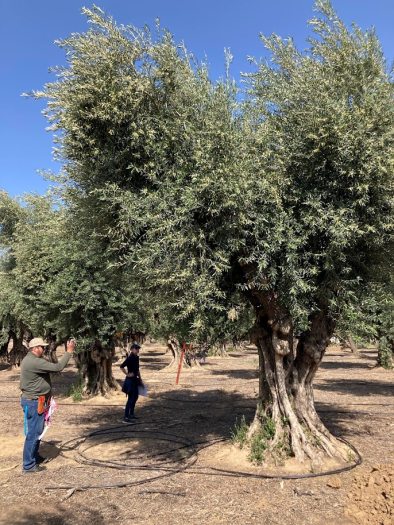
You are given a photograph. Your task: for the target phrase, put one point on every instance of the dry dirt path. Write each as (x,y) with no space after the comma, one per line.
(182,435)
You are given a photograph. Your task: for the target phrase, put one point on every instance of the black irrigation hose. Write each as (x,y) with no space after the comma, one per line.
(167,471)
(358,462)
(163,436)
(193,458)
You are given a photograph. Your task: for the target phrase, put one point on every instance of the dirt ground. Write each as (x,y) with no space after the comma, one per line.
(176,463)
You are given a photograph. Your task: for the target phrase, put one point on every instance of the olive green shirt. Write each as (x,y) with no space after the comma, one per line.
(35,377)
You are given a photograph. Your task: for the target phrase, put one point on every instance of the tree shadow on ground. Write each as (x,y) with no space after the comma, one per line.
(351,423)
(335,365)
(237,374)
(172,422)
(42,516)
(243,353)
(154,364)
(357,388)
(61,382)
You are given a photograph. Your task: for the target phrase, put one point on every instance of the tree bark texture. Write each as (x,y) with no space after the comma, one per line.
(173,347)
(286,377)
(348,342)
(16,347)
(50,351)
(95,367)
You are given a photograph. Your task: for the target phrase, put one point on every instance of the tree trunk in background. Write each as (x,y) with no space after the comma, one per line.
(134,336)
(50,352)
(174,348)
(386,352)
(349,343)
(4,349)
(286,402)
(190,357)
(219,349)
(17,350)
(95,367)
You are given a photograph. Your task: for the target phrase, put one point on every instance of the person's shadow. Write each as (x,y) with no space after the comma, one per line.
(49,449)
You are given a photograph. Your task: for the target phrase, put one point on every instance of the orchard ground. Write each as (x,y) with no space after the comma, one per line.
(176,464)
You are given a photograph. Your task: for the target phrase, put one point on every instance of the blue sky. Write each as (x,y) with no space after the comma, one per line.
(28,30)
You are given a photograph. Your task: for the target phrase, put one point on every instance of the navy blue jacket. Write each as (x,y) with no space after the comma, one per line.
(132,363)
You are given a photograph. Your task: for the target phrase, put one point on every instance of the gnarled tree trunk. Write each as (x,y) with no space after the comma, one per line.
(219,349)
(17,346)
(190,357)
(174,347)
(286,393)
(95,367)
(347,341)
(4,349)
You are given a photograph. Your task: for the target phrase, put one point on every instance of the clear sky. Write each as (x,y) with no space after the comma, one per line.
(28,30)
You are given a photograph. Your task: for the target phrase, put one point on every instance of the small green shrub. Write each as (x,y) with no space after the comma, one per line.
(269,428)
(260,440)
(75,391)
(258,446)
(283,449)
(238,435)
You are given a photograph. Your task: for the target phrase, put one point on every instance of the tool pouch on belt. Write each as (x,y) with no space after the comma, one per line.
(41,405)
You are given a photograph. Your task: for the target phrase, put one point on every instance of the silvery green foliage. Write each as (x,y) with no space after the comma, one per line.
(151,150)
(322,125)
(60,281)
(11,212)
(198,197)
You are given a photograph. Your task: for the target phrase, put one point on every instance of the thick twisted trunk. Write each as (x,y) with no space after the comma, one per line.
(286,400)
(174,348)
(347,341)
(95,367)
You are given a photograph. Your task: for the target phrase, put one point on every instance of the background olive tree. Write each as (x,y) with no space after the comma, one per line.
(58,282)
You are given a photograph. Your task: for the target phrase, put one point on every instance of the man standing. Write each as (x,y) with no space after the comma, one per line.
(35,383)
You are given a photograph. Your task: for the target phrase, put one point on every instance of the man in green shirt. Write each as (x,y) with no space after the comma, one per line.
(35,383)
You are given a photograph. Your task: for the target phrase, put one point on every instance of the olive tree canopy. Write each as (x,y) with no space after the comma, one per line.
(282,203)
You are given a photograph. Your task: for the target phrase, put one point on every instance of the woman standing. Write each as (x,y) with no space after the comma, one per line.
(132,381)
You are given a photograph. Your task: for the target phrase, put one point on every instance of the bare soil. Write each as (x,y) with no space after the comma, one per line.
(176,463)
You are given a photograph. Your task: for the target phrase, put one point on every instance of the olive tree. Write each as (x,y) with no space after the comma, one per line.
(322,132)
(13,328)
(63,286)
(283,200)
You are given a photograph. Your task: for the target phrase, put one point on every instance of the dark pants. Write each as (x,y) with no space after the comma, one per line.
(35,426)
(132,397)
